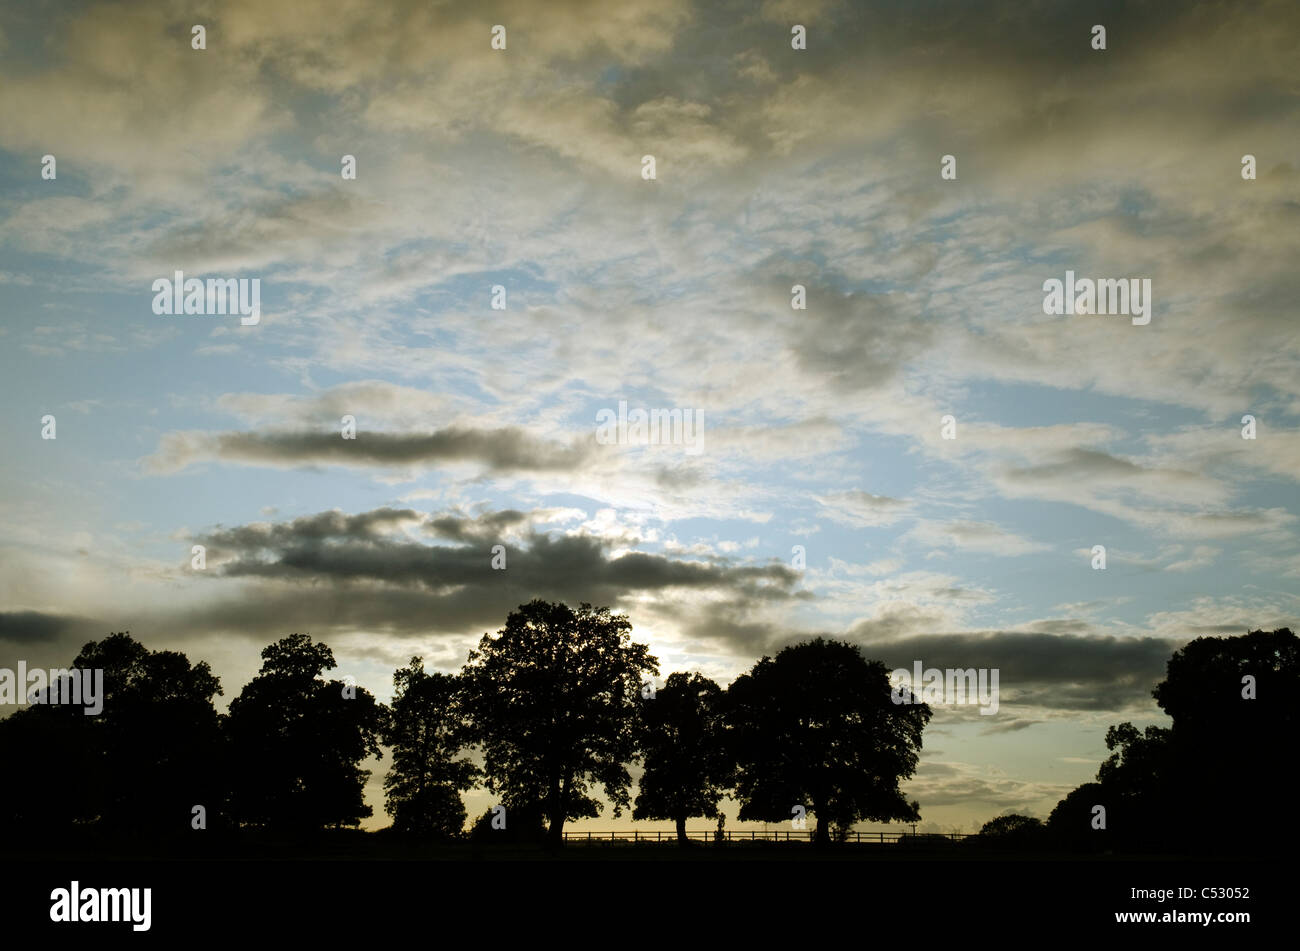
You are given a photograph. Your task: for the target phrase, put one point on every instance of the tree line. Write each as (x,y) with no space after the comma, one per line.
(558,705)
(1219,779)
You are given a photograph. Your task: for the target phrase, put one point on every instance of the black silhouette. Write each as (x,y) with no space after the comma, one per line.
(426,732)
(1070,825)
(552,700)
(1012,832)
(817,727)
(555,705)
(136,768)
(1235,705)
(524,822)
(298,740)
(686,765)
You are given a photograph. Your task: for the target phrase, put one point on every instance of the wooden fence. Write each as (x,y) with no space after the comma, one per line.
(775,835)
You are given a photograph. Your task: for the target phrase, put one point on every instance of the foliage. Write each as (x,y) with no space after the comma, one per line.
(299,739)
(552,700)
(151,754)
(426,733)
(817,727)
(686,765)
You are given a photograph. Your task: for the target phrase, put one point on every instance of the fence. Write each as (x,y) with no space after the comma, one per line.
(782,835)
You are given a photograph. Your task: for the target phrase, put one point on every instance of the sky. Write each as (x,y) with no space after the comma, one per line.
(822,497)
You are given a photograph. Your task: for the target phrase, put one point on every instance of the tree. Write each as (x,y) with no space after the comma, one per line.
(817,727)
(1234,701)
(139,766)
(425,731)
(552,700)
(521,823)
(1137,782)
(1013,831)
(686,767)
(298,741)
(1071,823)
(48,751)
(162,748)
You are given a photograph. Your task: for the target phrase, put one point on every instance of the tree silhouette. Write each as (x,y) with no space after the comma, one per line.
(1137,779)
(1220,739)
(1013,831)
(1070,825)
(686,764)
(48,741)
(151,754)
(298,740)
(1170,788)
(523,822)
(552,700)
(426,731)
(817,727)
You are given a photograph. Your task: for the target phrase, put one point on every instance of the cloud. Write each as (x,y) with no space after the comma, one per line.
(973,536)
(1040,670)
(30,628)
(364,571)
(1015,726)
(501,450)
(980,788)
(863,509)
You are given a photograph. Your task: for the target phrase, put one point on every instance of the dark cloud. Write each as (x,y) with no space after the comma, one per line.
(1077,464)
(500,450)
(1055,671)
(348,572)
(729,626)
(35,627)
(311,528)
(858,341)
(1015,726)
(458,528)
(45,640)
(1062,626)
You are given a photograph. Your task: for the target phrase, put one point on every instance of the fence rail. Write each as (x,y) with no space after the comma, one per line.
(782,835)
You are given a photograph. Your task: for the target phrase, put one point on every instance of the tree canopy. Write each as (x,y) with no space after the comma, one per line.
(151,754)
(687,770)
(816,727)
(299,739)
(552,700)
(1013,831)
(426,732)
(1233,701)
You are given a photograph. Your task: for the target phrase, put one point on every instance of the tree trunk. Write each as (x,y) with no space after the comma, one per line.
(555,814)
(681,830)
(822,837)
